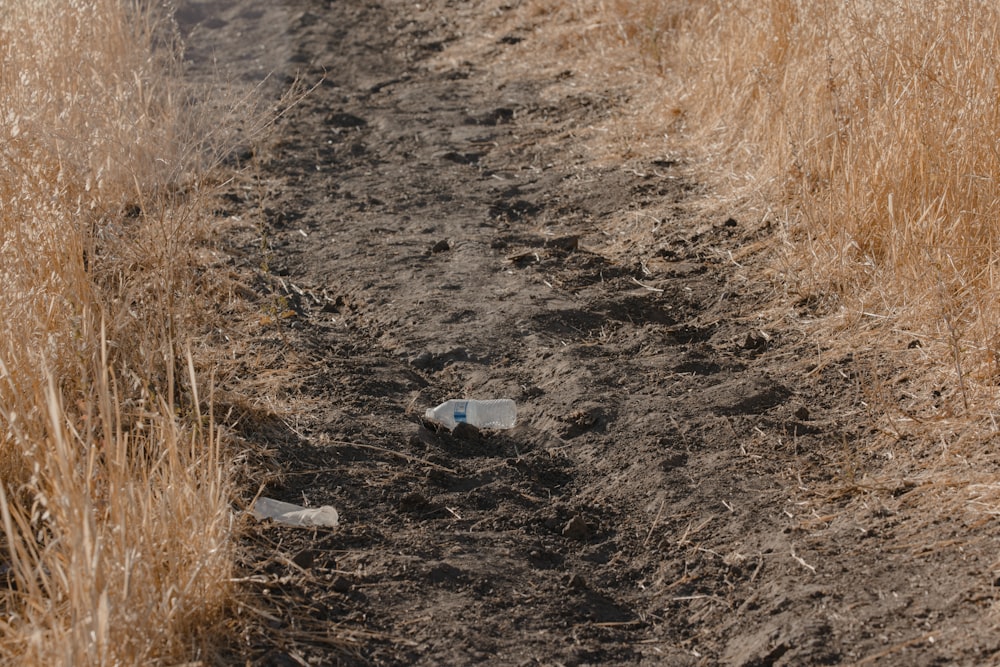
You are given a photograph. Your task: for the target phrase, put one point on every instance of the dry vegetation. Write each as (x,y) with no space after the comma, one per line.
(115,516)
(867,133)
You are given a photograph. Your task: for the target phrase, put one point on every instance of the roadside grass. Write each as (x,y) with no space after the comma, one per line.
(114,498)
(866,134)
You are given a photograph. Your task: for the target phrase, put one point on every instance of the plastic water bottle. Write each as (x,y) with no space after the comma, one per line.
(501,413)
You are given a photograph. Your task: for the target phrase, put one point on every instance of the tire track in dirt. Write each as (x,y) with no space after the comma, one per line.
(429,237)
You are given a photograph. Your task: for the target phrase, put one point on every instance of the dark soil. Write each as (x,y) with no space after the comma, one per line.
(681,488)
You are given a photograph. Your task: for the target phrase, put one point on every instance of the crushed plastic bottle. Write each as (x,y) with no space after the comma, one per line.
(500,413)
(295,515)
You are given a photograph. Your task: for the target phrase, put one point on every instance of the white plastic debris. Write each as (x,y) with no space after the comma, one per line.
(295,515)
(501,413)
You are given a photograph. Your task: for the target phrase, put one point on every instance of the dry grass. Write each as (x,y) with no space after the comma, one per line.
(863,134)
(114,501)
(868,132)
(875,124)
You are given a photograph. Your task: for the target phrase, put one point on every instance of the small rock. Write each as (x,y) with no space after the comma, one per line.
(498,116)
(579,422)
(441,246)
(576,582)
(523,259)
(442,479)
(673,460)
(576,529)
(755,341)
(345,120)
(532,391)
(567,243)
(413,501)
(335,306)
(462,158)
(443,572)
(802,413)
(304,558)
(423,361)
(341,584)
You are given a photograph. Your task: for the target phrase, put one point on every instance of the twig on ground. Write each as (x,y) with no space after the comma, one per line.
(656,520)
(803,563)
(649,287)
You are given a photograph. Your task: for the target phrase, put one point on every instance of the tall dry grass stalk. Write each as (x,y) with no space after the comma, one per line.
(113,499)
(875,124)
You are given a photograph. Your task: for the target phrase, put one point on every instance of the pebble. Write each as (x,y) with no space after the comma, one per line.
(576,529)
(341,584)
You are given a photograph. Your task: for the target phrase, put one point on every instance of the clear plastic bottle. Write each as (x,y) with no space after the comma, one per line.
(500,413)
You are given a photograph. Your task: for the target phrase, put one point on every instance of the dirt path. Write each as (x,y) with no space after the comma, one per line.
(432,232)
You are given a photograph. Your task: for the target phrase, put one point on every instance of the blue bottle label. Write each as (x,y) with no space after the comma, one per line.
(461,408)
